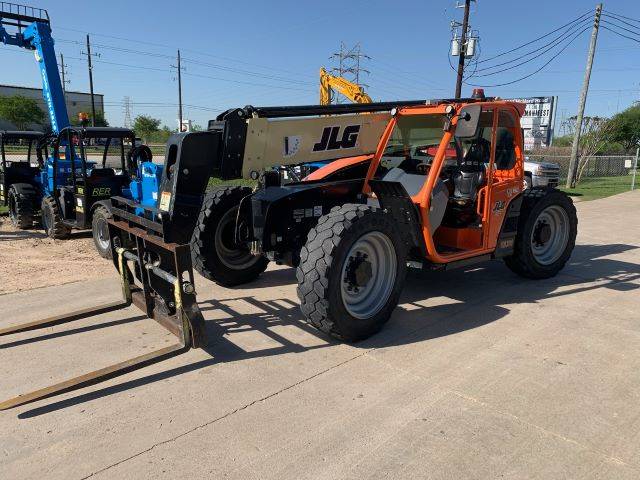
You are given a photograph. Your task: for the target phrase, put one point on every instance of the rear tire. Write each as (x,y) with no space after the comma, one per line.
(546,235)
(215,254)
(100,231)
(22,205)
(52,220)
(351,271)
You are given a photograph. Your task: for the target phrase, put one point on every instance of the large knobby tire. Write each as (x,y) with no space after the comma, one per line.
(352,271)
(214,251)
(100,231)
(52,219)
(21,201)
(546,235)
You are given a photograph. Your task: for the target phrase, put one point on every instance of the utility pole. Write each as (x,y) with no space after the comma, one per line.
(178,66)
(573,163)
(93,103)
(635,169)
(63,72)
(179,93)
(463,42)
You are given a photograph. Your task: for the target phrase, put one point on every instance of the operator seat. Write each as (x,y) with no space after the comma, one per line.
(472,172)
(412,184)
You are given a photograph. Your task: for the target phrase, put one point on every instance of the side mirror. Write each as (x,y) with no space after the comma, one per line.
(468,119)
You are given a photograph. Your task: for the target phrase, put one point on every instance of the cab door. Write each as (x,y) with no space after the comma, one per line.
(504,177)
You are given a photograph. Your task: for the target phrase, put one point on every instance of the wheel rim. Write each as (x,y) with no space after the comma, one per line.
(550,235)
(102,237)
(368,275)
(47,220)
(13,214)
(229,253)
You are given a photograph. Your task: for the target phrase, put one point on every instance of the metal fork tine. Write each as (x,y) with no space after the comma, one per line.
(97,376)
(67,317)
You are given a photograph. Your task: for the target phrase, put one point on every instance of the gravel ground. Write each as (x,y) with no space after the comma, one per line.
(29,259)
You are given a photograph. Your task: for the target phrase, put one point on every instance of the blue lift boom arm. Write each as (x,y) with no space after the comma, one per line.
(32,30)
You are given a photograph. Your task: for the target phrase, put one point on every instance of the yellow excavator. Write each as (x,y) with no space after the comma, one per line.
(329,83)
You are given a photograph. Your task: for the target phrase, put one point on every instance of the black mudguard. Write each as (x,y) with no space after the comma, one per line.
(278,219)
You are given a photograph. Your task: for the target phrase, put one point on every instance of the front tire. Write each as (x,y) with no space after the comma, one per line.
(100,231)
(546,235)
(52,220)
(351,271)
(528,181)
(215,253)
(21,201)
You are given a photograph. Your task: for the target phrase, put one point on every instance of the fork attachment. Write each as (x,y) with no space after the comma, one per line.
(157,278)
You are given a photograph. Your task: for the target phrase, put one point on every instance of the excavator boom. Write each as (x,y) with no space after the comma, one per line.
(329,83)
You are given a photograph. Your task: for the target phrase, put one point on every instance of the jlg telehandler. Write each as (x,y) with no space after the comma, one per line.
(443,189)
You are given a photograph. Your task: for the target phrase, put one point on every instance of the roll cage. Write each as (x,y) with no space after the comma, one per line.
(499,187)
(35,144)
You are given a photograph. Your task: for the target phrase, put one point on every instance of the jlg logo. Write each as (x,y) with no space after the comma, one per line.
(329,140)
(101,192)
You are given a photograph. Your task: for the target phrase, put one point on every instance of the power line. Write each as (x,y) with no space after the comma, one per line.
(613,24)
(536,39)
(539,51)
(619,34)
(536,71)
(532,59)
(622,16)
(605,14)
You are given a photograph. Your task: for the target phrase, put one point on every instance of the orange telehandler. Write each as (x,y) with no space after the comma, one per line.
(434,184)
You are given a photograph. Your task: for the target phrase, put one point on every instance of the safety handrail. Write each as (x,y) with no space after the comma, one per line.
(22,13)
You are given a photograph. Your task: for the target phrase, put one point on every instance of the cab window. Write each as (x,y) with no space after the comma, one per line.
(505,141)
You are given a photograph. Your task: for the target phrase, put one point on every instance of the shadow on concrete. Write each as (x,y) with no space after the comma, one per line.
(65,333)
(472,298)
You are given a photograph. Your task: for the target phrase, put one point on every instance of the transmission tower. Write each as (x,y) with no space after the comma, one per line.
(126,107)
(349,65)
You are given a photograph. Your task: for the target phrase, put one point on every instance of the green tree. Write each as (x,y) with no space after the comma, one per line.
(146,126)
(626,128)
(161,136)
(21,111)
(196,128)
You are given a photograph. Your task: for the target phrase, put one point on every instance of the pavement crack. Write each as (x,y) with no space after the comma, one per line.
(226,415)
(542,429)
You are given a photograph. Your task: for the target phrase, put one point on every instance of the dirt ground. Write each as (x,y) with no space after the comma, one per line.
(29,259)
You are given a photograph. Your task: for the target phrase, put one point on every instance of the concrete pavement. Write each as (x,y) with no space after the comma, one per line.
(479,374)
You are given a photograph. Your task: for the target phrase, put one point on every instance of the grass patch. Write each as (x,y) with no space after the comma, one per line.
(3,210)
(600,187)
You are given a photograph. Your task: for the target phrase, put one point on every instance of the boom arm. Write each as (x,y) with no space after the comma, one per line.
(352,91)
(37,36)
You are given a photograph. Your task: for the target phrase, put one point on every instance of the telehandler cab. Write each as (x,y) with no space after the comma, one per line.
(434,185)
(18,187)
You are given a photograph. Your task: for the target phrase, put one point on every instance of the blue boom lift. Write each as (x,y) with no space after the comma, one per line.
(65,189)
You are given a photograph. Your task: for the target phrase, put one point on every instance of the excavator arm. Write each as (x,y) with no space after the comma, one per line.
(352,91)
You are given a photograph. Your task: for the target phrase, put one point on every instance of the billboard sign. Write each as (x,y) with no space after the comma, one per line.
(537,121)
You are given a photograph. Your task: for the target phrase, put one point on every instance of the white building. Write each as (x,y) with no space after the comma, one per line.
(76,102)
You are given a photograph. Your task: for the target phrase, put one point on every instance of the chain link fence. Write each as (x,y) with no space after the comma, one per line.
(599,176)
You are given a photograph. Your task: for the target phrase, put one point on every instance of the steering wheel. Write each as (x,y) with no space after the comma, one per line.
(423,168)
(141,153)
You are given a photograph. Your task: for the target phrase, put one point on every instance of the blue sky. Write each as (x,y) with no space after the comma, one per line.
(269,52)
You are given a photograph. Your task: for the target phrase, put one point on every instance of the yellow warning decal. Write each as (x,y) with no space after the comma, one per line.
(165,200)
